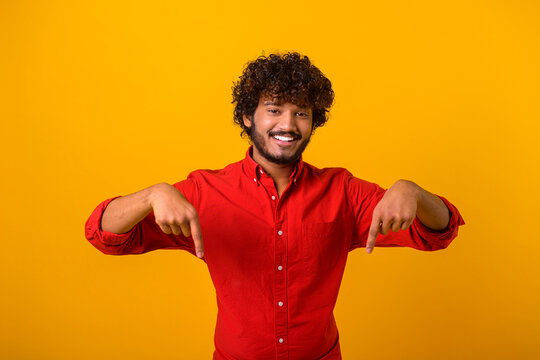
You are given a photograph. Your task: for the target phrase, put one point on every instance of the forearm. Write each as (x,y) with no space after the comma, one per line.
(123,213)
(431,210)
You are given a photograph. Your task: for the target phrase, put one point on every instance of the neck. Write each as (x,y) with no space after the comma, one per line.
(279,172)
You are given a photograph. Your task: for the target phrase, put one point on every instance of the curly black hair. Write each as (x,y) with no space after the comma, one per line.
(289,77)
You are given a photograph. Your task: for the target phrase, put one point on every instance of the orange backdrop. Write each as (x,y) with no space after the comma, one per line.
(104,98)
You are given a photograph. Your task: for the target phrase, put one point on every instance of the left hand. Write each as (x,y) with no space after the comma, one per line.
(396,210)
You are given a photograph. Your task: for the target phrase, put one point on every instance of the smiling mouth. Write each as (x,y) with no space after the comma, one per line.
(284,138)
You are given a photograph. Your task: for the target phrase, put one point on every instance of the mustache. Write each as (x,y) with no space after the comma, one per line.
(293,135)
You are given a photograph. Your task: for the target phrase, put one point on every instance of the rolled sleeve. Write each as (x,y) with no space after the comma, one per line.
(439,239)
(96,235)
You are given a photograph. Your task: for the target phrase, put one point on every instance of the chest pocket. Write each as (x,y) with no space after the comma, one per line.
(324,246)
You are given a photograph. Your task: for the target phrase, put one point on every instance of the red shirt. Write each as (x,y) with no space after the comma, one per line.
(276,263)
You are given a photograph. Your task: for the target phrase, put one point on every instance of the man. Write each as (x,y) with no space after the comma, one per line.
(273,230)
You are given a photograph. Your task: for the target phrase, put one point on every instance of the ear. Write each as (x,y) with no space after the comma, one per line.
(247,121)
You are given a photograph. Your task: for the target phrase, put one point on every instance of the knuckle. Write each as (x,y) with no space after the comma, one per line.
(193,213)
(166,219)
(181,219)
(161,222)
(189,217)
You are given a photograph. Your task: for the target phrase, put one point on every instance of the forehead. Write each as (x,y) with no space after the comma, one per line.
(275,101)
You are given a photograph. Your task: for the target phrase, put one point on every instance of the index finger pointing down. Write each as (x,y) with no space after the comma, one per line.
(197,236)
(374,230)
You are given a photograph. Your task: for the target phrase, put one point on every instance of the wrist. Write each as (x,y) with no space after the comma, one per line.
(413,189)
(154,192)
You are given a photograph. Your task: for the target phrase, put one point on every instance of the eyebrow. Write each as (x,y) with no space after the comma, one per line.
(278,104)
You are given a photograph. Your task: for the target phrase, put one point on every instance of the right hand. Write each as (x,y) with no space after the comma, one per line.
(174,214)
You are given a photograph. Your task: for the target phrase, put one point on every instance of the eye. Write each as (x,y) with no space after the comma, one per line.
(304,114)
(273,111)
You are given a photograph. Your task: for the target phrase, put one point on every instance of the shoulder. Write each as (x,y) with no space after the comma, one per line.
(327,176)
(206,175)
(201,180)
(326,173)
(343,176)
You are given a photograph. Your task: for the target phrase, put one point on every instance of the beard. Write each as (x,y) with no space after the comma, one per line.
(260,143)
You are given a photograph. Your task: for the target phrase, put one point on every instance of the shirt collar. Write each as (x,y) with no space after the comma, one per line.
(254,170)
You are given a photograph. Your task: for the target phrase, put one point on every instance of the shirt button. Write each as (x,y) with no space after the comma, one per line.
(273,197)
(280,303)
(280,340)
(280,232)
(255,179)
(261,171)
(280,267)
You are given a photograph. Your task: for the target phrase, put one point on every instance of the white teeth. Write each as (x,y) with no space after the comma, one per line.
(283,138)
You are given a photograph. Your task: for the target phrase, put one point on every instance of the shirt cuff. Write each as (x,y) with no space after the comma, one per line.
(96,233)
(441,237)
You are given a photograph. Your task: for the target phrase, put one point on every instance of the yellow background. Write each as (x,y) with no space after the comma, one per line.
(105,98)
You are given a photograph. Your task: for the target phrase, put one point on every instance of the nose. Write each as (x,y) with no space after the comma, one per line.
(287,122)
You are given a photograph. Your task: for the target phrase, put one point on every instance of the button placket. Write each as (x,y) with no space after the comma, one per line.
(280,283)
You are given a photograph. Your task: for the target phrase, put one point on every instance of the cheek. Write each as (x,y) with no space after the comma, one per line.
(306,129)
